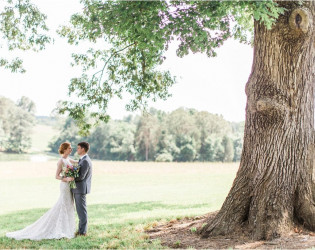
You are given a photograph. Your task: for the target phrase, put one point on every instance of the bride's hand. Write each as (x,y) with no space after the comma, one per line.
(70,179)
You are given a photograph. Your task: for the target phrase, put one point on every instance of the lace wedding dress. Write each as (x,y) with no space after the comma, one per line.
(58,222)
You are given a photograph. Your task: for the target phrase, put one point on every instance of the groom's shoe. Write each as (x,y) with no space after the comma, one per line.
(79,234)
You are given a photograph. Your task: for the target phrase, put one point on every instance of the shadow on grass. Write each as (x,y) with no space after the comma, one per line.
(110,225)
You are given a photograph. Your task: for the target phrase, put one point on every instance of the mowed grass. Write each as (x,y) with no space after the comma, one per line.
(126,199)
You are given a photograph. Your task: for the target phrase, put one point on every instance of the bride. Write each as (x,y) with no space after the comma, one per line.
(59,221)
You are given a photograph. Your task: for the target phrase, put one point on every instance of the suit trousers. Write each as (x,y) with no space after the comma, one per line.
(80,203)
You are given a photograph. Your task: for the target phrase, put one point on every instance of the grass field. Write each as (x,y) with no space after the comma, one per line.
(126,199)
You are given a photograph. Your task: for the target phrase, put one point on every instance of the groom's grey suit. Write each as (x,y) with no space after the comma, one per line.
(83,183)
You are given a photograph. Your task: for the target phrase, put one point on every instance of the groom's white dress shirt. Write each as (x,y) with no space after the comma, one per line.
(82,156)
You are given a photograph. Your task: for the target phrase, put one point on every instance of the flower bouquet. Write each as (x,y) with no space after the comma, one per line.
(72,171)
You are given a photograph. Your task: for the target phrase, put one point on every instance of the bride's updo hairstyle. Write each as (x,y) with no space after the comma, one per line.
(63,147)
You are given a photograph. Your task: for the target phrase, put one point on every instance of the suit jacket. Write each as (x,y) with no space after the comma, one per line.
(83,182)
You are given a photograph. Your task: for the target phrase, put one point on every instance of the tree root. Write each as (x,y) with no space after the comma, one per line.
(233,213)
(305,212)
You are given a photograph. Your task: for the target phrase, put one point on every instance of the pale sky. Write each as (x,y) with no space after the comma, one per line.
(216,85)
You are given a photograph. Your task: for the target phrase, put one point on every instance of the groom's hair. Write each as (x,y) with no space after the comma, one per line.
(84,145)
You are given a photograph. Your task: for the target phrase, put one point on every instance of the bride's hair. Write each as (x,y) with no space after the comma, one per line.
(63,147)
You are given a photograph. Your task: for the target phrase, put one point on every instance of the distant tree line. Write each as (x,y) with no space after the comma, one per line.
(16,123)
(182,135)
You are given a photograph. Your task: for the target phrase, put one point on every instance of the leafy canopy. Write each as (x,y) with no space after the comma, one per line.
(135,35)
(22,27)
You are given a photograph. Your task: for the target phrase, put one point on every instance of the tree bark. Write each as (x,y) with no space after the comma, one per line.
(274,184)
(147,144)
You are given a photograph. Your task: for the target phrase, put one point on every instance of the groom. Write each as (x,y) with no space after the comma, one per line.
(83,183)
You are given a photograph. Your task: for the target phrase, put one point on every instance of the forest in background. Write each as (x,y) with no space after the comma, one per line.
(181,135)
(16,123)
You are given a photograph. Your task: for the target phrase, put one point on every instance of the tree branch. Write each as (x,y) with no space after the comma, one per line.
(116,52)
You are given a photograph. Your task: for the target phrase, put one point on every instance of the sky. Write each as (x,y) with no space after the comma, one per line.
(216,85)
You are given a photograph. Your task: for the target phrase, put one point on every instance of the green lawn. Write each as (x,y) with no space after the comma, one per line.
(126,199)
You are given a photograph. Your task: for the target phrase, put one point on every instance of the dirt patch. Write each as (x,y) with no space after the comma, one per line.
(183,234)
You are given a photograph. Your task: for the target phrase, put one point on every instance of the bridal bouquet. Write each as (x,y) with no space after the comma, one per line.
(72,171)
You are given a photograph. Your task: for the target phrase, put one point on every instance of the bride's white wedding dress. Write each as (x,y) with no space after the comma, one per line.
(58,222)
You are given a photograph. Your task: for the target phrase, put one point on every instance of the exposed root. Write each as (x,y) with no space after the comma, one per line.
(230,217)
(181,234)
(305,212)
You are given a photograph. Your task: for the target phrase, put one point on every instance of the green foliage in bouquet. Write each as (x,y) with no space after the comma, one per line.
(72,171)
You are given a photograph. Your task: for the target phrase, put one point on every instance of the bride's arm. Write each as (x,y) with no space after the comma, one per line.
(73,161)
(59,169)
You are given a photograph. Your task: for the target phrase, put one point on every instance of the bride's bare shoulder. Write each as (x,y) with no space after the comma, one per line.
(73,161)
(59,162)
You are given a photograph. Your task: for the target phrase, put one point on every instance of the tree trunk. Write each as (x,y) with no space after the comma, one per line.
(147,145)
(274,183)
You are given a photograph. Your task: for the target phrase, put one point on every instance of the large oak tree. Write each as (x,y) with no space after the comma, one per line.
(274,184)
